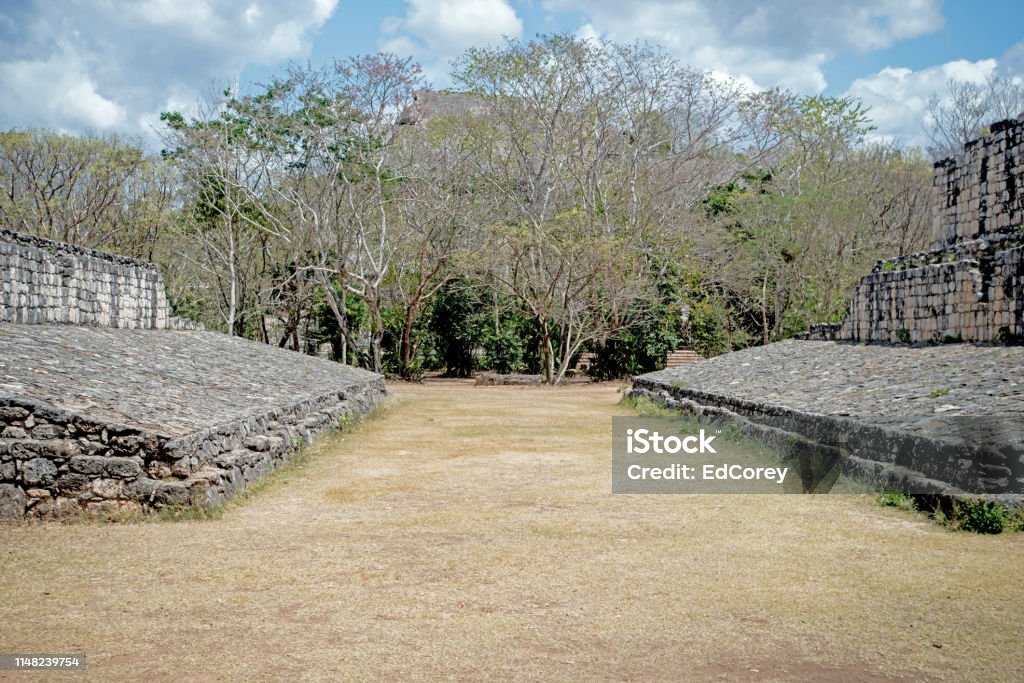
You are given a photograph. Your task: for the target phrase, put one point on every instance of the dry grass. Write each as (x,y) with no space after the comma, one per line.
(469,533)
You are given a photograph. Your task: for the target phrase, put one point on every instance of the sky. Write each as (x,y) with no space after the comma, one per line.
(114,65)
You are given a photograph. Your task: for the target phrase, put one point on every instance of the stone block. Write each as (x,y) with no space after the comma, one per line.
(38,472)
(123,468)
(47,431)
(13,413)
(12,502)
(106,488)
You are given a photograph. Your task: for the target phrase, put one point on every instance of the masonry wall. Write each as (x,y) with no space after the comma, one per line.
(970,285)
(47,282)
(982,191)
(56,463)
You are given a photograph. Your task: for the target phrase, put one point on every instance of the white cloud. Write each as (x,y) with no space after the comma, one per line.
(115,64)
(785,42)
(898,97)
(69,94)
(434,31)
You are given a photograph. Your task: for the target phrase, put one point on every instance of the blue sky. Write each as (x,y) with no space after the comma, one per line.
(113,65)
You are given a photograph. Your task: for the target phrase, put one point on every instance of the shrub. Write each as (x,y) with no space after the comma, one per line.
(980,516)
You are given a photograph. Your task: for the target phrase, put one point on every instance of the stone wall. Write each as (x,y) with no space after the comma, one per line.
(55,462)
(929,419)
(42,281)
(148,415)
(981,191)
(970,285)
(95,419)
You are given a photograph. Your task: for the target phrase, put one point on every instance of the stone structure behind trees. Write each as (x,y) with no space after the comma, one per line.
(970,285)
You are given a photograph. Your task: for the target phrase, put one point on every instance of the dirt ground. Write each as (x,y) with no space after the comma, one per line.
(469,533)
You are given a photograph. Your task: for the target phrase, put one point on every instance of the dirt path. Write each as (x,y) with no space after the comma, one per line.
(469,533)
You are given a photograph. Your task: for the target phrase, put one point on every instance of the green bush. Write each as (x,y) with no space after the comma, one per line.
(456,325)
(981,516)
(505,350)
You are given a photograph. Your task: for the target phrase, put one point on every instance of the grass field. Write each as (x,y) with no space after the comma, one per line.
(469,533)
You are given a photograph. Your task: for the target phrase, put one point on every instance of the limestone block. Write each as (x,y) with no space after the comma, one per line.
(12,502)
(38,472)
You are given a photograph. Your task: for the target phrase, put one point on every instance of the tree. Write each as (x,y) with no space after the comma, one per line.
(961,113)
(95,191)
(224,172)
(594,155)
(791,242)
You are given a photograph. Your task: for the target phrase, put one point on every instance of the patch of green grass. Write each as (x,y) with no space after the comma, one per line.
(936,393)
(646,407)
(895,499)
(975,515)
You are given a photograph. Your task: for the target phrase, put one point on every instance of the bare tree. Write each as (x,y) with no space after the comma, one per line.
(96,191)
(224,173)
(961,113)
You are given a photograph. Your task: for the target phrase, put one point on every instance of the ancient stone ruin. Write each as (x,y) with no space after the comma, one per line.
(939,417)
(52,282)
(970,285)
(109,403)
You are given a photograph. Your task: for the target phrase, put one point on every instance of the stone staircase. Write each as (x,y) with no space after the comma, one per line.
(682,356)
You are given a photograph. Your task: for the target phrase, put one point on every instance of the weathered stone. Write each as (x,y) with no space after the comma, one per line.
(12,502)
(56,277)
(56,507)
(150,411)
(12,414)
(88,464)
(72,483)
(182,467)
(877,403)
(106,488)
(37,493)
(257,443)
(158,470)
(38,472)
(123,468)
(968,287)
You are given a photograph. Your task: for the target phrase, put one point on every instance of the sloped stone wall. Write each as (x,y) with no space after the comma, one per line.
(936,419)
(95,419)
(42,281)
(55,463)
(148,415)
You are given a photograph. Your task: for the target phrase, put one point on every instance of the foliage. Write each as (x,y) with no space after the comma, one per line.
(568,196)
(980,516)
(457,325)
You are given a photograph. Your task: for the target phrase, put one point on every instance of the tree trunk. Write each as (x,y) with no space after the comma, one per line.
(547,355)
(233,296)
(765,331)
(376,337)
(406,350)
